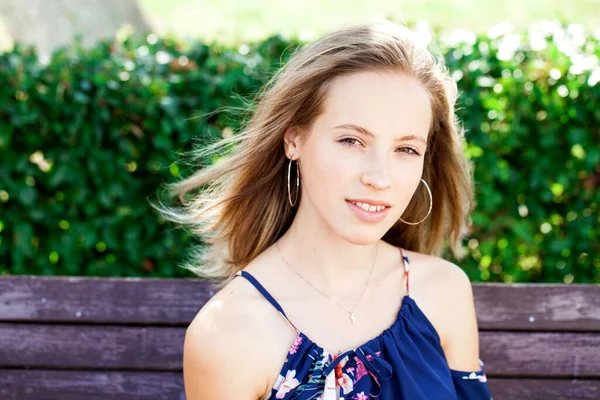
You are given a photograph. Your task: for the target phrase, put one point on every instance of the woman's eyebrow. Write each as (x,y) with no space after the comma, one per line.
(366,132)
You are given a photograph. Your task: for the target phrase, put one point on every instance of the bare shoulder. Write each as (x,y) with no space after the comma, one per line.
(431,267)
(223,343)
(445,294)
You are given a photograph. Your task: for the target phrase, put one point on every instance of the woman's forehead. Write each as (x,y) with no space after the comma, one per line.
(378,101)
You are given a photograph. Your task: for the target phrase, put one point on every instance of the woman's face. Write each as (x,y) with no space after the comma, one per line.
(340,161)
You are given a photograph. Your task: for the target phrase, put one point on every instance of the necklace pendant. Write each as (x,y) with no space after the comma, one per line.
(352,317)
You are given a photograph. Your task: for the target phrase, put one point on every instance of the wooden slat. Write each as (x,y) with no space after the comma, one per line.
(95,385)
(102,300)
(541,354)
(90,385)
(93,347)
(531,307)
(536,307)
(508,354)
(544,389)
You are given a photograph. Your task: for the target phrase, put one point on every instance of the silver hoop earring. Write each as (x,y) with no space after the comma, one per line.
(297,183)
(430,206)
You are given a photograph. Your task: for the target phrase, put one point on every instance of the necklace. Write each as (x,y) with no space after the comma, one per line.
(350,312)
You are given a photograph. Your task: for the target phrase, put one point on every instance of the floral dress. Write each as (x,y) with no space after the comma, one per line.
(405,361)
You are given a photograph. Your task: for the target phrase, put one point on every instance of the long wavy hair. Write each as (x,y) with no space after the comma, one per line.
(239,205)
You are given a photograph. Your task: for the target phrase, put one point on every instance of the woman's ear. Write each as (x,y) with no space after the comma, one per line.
(291,143)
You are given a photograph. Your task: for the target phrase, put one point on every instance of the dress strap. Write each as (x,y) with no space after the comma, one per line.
(406,268)
(266,294)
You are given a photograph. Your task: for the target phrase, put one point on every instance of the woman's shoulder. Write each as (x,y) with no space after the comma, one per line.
(430,274)
(444,292)
(233,330)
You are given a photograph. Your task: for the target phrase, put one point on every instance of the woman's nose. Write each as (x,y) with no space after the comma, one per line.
(378,174)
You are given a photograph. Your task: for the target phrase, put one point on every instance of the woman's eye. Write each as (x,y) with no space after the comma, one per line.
(350,142)
(411,150)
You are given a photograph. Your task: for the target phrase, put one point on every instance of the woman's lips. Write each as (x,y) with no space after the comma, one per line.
(367,216)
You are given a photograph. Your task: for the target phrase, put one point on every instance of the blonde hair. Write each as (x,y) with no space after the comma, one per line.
(243,206)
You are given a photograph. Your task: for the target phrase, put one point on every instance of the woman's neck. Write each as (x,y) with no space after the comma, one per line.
(329,262)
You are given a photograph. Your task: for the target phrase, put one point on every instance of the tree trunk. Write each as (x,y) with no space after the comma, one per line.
(51,23)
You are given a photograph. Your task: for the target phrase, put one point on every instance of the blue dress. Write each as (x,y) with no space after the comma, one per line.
(406,361)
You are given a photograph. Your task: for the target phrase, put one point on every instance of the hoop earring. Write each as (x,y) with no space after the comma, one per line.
(430,206)
(297,182)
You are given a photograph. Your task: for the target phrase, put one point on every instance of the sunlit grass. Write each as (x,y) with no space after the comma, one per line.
(243,20)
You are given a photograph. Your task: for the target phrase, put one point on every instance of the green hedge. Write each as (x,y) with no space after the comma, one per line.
(88,137)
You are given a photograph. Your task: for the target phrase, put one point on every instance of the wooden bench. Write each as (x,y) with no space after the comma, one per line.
(122,338)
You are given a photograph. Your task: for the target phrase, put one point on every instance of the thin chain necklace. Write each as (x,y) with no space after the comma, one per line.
(350,312)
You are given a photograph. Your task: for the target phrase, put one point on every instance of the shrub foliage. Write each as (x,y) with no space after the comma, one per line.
(88,136)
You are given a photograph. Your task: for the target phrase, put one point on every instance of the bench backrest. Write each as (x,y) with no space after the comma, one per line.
(122,338)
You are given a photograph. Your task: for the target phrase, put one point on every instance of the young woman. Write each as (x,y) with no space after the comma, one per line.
(349,175)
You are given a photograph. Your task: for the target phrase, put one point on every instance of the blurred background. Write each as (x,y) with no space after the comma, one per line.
(100,99)
(238,21)
(249,20)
